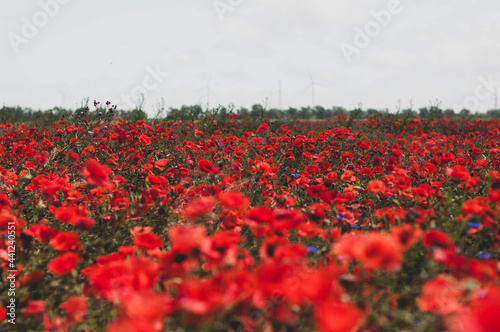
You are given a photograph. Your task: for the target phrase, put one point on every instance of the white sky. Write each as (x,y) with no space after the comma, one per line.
(105,49)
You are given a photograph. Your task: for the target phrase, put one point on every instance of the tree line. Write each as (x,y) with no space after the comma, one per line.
(17,115)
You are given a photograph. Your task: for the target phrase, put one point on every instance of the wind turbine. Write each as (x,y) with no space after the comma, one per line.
(311,86)
(208,91)
(280,95)
(496,89)
(63,98)
(272,94)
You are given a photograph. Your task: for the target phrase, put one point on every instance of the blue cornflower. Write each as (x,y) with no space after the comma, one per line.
(483,255)
(312,249)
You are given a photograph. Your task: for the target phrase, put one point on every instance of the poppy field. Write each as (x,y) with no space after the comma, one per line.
(234,224)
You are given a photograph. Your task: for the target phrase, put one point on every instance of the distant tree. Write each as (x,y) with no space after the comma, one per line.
(320,112)
(409,113)
(257,111)
(173,113)
(274,113)
(196,111)
(449,113)
(371,112)
(464,113)
(305,113)
(243,113)
(291,112)
(424,112)
(337,110)
(190,113)
(493,113)
(137,114)
(356,114)
(435,112)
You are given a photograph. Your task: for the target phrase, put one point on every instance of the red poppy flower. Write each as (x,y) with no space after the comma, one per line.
(186,238)
(336,316)
(233,200)
(155,179)
(33,278)
(376,186)
(76,308)
(477,206)
(78,217)
(130,325)
(144,139)
(148,306)
(447,157)
(4,201)
(379,251)
(64,263)
(43,233)
(65,241)
(348,176)
(207,167)
(147,241)
(198,207)
(457,172)
(260,215)
(67,214)
(407,235)
(437,238)
(373,250)
(331,177)
(424,191)
(484,315)
(161,164)
(316,190)
(115,280)
(35,308)
(3,313)
(284,220)
(441,295)
(97,174)
(263,128)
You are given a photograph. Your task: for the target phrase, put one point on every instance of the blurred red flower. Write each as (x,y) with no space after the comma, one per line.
(336,316)
(441,295)
(76,308)
(437,238)
(43,233)
(207,167)
(35,308)
(64,263)
(155,179)
(348,176)
(373,250)
(65,241)
(376,186)
(263,128)
(147,240)
(233,200)
(198,207)
(145,139)
(3,313)
(97,174)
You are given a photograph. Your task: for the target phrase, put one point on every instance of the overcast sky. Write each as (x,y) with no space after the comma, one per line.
(369,52)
